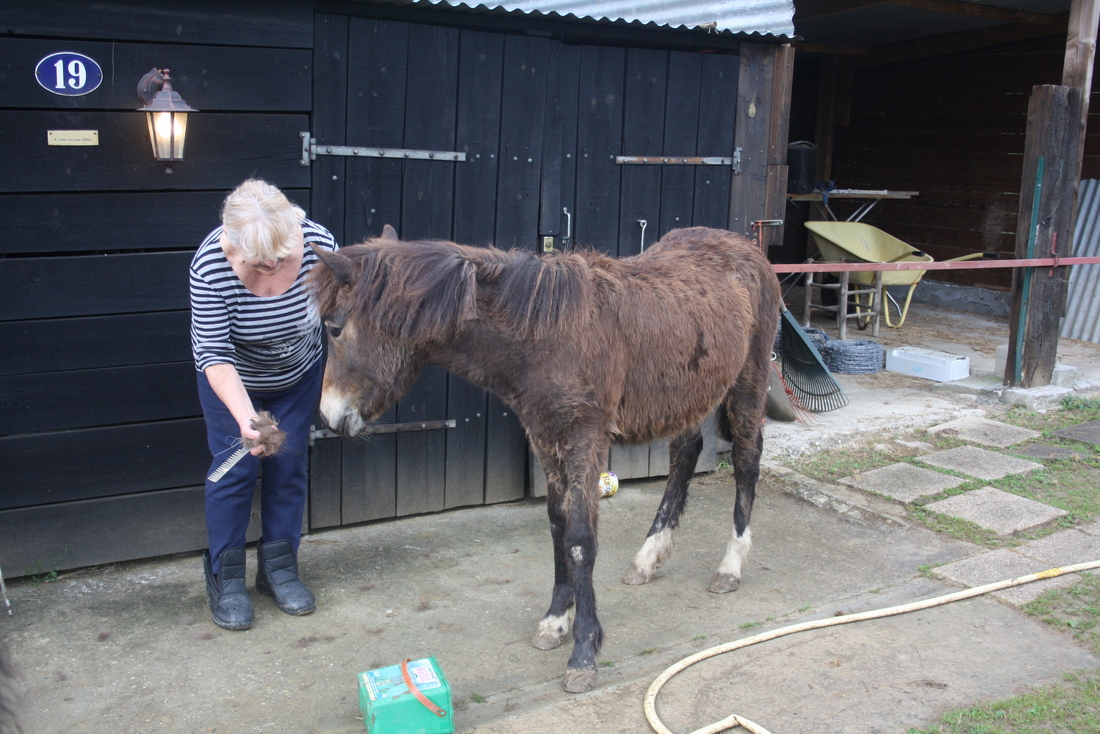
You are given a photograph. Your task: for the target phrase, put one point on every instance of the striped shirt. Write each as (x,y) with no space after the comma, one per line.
(272,341)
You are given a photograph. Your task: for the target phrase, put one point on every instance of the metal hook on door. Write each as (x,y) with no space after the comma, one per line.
(644,223)
(568,238)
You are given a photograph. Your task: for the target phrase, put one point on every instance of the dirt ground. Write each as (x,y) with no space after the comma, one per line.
(130,647)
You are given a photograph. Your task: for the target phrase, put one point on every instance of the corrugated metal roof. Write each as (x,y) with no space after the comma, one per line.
(752,17)
(1082,320)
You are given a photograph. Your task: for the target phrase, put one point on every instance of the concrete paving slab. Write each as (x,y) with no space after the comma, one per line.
(903,481)
(1085,432)
(1047,452)
(1064,548)
(975,462)
(1000,565)
(984,431)
(1092,528)
(1002,512)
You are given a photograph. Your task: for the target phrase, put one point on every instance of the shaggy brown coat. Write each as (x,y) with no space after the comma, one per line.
(588,350)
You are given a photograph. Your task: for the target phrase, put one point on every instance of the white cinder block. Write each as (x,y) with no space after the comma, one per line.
(928,363)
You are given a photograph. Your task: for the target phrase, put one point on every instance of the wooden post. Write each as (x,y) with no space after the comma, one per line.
(775,198)
(759,185)
(1045,227)
(1057,117)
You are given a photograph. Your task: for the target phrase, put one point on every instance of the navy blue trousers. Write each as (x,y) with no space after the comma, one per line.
(284,481)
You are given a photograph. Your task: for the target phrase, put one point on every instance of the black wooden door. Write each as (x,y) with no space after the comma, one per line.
(541,123)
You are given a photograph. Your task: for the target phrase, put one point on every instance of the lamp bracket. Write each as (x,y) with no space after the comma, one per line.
(310,151)
(149,85)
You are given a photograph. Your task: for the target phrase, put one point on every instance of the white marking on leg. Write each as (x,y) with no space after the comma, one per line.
(554,626)
(655,550)
(737,552)
(577,553)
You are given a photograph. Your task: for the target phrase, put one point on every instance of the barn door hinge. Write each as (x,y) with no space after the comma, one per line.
(379,428)
(668,160)
(310,151)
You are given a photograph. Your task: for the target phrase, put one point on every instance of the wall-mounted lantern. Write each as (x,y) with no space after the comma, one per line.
(166,113)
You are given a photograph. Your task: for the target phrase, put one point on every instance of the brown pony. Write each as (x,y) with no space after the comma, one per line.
(588,350)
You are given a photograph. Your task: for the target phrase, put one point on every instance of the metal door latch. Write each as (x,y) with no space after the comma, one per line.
(310,151)
(377,428)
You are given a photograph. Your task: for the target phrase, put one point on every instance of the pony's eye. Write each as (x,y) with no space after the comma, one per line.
(334,330)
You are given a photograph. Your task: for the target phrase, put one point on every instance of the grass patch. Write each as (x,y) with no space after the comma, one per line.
(828,466)
(1075,410)
(958,528)
(1067,484)
(1069,707)
(1075,610)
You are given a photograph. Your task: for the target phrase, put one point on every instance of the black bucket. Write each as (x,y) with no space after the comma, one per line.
(801,167)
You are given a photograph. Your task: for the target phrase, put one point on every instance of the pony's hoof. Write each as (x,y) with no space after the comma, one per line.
(579,680)
(635,576)
(723,583)
(546,641)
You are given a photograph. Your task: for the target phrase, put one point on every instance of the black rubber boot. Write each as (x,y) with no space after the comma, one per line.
(230,606)
(277,576)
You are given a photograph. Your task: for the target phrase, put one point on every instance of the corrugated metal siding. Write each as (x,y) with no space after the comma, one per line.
(753,17)
(1082,320)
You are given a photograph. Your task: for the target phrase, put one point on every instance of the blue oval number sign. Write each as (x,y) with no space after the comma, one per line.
(68,73)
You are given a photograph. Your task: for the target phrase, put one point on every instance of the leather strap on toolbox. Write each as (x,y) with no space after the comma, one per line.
(416,691)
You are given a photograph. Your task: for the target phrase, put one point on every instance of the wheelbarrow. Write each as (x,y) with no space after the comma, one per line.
(858,242)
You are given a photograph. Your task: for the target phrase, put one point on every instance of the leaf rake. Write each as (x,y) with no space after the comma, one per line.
(804,371)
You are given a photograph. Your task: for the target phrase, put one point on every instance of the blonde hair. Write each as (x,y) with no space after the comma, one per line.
(259,221)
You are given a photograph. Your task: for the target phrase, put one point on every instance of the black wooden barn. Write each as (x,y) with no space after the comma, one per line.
(102,449)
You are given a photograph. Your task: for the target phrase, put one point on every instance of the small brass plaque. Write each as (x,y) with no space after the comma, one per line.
(72,137)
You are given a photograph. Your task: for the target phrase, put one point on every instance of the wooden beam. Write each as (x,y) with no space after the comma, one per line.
(1084,15)
(807,9)
(804,10)
(826,48)
(775,200)
(952,43)
(827,95)
(976,11)
(758,185)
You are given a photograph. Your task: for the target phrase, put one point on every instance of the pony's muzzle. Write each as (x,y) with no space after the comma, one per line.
(341,416)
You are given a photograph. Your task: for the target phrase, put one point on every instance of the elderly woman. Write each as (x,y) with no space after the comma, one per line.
(256,339)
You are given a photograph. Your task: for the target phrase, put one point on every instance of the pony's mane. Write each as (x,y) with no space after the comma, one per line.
(420,291)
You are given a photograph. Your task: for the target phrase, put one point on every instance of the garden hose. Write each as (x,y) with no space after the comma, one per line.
(650,703)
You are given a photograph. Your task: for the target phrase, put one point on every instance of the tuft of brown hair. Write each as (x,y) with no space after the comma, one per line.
(271,438)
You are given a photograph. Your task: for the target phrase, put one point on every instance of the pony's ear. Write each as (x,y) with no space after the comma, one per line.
(341,266)
(388,232)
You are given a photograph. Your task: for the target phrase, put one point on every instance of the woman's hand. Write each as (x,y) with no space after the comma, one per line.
(251,434)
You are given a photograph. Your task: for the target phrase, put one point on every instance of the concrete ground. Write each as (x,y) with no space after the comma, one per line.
(130,647)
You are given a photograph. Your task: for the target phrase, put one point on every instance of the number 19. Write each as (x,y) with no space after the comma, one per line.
(76,70)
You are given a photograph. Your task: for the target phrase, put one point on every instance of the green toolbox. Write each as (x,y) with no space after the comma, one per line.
(410,698)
